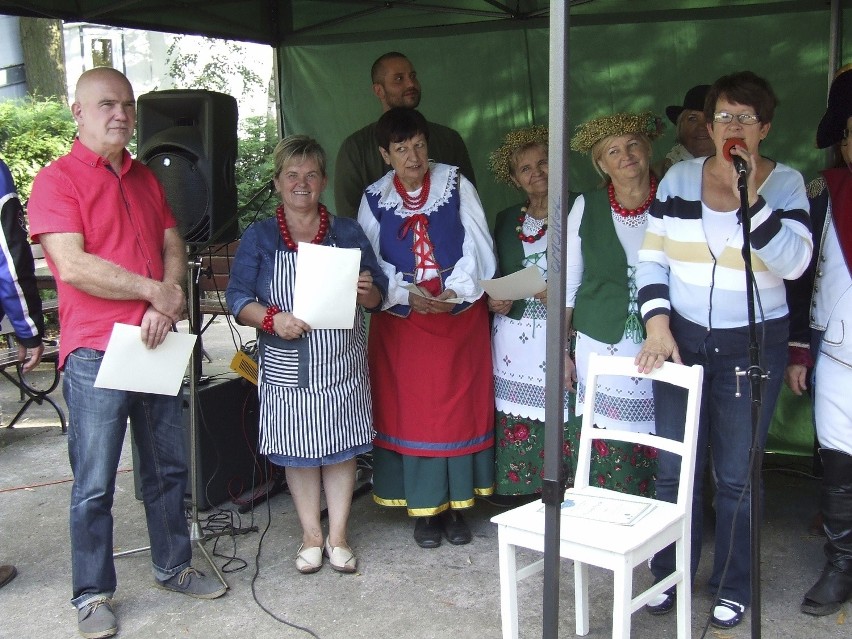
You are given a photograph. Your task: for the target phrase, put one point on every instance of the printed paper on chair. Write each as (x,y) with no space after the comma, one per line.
(607,509)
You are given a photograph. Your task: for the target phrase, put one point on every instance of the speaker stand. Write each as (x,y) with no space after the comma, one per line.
(196,536)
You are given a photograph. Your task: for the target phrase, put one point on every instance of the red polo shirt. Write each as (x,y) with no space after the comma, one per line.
(123,219)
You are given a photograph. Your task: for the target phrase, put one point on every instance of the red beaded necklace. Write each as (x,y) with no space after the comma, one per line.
(520,228)
(413,203)
(285,232)
(623,212)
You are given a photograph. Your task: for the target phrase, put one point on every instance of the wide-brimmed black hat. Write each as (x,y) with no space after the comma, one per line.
(833,123)
(694,100)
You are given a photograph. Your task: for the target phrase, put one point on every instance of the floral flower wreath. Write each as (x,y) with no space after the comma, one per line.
(500,160)
(588,134)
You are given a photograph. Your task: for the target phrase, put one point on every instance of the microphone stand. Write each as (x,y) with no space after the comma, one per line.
(756,376)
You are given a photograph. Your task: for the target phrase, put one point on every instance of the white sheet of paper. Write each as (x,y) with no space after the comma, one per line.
(517,286)
(130,365)
(607,509)
(326,285)
(413,288)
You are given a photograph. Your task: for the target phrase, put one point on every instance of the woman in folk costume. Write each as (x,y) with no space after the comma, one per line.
(605,230)
(429,350)
(518,334)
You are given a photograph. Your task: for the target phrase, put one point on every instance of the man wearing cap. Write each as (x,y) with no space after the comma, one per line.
(359,163)
(693,139)
(820,303)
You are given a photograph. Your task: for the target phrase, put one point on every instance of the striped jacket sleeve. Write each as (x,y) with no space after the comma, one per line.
(18,290)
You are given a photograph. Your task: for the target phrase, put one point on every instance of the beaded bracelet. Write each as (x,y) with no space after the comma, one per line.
(267,325)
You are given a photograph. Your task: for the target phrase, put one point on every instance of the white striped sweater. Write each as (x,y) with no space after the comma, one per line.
(677,270)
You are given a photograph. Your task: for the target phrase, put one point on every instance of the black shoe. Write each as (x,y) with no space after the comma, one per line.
(737,608)
(455,528)
(427,532)
(829,593)
(665,606)
(7,574)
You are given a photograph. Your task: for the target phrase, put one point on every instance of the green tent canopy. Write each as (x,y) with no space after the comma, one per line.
(484,64)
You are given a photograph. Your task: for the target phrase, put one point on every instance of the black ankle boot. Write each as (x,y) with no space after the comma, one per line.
(834,586)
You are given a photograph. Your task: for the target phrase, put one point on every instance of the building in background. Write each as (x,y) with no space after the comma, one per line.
(143,56)
(13,79)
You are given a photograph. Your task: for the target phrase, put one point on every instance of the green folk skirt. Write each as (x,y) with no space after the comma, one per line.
(519,455)
(428,486)
(519,458)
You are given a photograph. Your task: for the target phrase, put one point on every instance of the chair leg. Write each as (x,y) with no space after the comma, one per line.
(508,587)
(622,593)
(581,597)
(684,589)
(38,400)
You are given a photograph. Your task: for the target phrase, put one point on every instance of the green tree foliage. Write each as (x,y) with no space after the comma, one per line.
(254,168)
(214,74)
(33,133)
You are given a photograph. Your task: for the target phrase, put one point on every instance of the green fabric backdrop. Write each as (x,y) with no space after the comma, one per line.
(484,83)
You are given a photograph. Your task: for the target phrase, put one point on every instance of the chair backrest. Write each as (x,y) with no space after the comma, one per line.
(687,377)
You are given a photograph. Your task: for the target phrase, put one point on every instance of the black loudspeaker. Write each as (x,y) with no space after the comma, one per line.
(226,444)
(188,138)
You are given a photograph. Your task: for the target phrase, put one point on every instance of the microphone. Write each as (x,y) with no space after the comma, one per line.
(738,161)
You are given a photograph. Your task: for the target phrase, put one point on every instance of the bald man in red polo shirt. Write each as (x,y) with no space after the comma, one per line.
(112,244)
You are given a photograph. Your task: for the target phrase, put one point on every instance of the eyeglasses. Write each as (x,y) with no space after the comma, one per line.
(723,117)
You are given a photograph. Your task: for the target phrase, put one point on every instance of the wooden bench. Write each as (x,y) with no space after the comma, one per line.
(215,272)
(36,386)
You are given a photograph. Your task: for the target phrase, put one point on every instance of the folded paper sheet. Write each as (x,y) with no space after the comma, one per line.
(417,291)
(130,365)
(517,286)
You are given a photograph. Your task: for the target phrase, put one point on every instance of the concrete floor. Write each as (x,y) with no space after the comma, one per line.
(399,591)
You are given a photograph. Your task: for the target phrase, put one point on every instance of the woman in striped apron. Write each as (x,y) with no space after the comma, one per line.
(315,412)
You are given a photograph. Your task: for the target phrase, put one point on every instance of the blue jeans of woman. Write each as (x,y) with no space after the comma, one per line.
(96,428)
(725,430)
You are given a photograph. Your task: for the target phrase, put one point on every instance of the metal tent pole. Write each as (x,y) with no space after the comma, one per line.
(553,485)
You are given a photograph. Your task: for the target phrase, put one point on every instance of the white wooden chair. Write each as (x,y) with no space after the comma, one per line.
(594,527)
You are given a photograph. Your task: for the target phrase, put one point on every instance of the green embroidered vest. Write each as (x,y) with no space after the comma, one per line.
(603,299)
(510,250)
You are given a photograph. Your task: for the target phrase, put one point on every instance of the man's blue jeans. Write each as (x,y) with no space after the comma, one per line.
(725,425)
(96,428)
